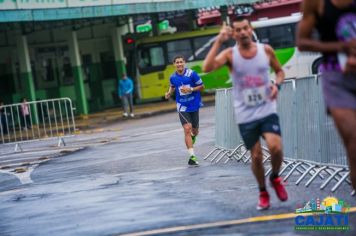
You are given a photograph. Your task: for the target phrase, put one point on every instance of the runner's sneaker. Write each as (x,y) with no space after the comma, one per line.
(279,188)
(194,138)
(193,161)
(125,114)
(263,203)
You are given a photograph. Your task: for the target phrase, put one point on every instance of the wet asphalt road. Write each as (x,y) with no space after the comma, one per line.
(134,177)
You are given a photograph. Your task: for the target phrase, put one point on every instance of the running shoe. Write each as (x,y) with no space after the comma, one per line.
(263,203)
(125,114)
(279,188)
(193,161)
(194,138)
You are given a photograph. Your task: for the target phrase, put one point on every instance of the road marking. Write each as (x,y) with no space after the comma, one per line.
(24,176)
(220,224)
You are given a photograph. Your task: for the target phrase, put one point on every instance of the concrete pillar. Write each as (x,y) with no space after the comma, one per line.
(95,84)
(82,103)
(26,78)
(120,59)
(25,68)
(131,26)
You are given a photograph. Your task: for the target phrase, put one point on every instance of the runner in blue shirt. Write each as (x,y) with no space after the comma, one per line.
(187,84)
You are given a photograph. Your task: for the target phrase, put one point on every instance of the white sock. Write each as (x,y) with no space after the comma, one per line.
(191,151)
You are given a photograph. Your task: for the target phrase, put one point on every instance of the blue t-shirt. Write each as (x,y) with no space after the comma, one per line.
(191,101)
(125,86)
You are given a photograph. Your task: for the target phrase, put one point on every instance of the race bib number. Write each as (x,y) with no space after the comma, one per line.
(254,96)
(182,93)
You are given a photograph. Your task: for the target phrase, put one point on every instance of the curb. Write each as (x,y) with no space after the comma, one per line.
(98,127)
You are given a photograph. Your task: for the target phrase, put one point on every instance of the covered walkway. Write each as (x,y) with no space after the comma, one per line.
(75,49)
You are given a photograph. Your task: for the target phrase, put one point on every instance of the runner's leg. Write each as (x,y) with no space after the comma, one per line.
(186,122)
(187,135)
(271,132)
(257,165)
(274,144)
(259,173)
(345,121)
(195,125)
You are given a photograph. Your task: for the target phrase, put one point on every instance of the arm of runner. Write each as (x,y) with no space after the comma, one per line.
(198,82)
(305,30)
(277,68)
(213,62)
(169,93)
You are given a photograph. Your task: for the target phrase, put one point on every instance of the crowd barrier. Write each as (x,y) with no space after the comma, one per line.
(35,121)
(311,144)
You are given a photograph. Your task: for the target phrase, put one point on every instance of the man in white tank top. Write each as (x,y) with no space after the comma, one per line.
(254,99)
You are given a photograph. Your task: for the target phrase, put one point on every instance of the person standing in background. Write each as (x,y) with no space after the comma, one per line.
(3,121)
(25,111)
(125,91)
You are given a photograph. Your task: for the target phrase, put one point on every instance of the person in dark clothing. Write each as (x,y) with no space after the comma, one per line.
(335,22)
(3,120)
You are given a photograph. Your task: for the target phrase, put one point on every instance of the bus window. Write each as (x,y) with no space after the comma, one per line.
(281,36)
(157,57)
(150,59)
(144,59)
(202,46)
(151,56)
(179,47)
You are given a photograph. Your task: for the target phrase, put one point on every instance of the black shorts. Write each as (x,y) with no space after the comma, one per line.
(189,117)
(252,131)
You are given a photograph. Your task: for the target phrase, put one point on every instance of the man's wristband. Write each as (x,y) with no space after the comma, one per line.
(191,89)
(278,86)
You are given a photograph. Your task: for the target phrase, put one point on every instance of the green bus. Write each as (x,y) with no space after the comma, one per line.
(154,55)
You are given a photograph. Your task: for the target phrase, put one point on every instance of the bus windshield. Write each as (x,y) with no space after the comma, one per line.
(152,57)
(278,36)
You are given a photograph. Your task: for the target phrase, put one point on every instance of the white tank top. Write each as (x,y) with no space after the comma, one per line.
(251,86)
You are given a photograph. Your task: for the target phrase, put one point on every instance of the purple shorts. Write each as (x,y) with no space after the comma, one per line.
(339,89)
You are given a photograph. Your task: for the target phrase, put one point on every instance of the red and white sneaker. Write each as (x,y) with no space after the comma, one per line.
(263,203)
(279,188)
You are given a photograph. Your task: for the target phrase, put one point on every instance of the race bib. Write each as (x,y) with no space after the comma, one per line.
(254,96)
(182,93)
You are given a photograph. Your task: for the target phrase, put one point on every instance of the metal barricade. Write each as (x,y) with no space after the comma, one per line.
(36,120)
(228,142)
(311,144)
(320,149)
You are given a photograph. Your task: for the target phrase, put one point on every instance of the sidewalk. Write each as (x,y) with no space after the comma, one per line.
(101,119)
